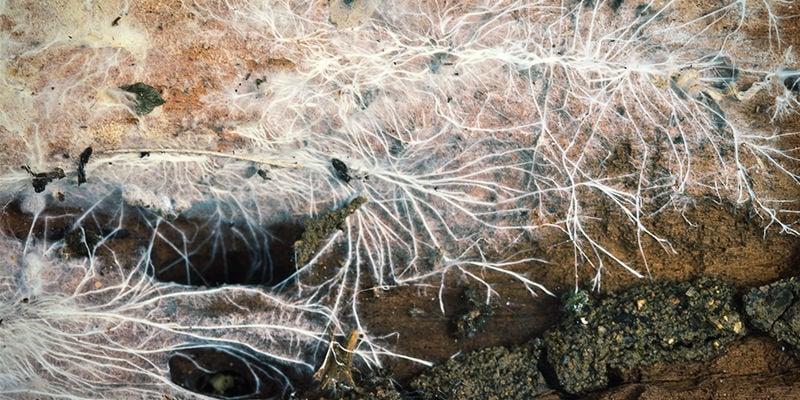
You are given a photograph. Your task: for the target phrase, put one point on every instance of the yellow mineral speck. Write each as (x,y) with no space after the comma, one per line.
(640,303)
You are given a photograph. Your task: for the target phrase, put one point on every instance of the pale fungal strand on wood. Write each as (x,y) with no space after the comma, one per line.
(280,164)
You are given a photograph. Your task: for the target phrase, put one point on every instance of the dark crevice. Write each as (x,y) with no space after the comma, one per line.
(207,250)
(792,82)
(191,252)
(53,224)
(232,373)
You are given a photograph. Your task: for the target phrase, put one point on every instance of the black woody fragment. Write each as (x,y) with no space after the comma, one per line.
(341,170)
(147,98)
(41,179)
(82,160)
(264,174)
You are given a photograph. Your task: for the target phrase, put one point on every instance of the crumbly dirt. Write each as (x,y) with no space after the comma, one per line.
(665,340)
(493,373)
(622,347)
(663,321)
(775,309)
(316,230)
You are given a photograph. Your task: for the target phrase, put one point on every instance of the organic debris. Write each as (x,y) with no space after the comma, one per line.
(317,229)
(341,170)
(84,158)
(147,98)
(41,179)
(264,174)
(470,320)
(336,374)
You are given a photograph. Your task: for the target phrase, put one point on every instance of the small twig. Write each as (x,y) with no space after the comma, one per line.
(280,164)
(337,368)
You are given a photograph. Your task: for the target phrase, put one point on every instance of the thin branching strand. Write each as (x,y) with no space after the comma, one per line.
(469,130)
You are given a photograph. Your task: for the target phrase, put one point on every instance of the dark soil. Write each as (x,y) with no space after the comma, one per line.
(664,340)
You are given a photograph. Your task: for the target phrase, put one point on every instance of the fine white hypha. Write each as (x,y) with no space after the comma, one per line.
(471,130)
(82,339)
